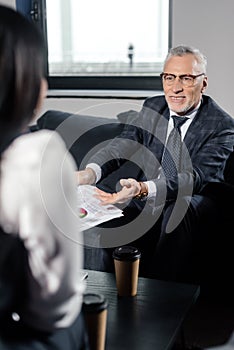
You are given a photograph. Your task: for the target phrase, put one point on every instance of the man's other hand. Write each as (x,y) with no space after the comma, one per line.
(86,177)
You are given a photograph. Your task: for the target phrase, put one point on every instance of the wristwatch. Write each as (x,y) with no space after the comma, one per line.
(143,191)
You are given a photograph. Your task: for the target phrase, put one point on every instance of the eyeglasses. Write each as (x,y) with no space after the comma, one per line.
(186,80)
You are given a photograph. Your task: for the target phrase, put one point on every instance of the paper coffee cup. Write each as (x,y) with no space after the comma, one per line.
(95,315)
(126,262)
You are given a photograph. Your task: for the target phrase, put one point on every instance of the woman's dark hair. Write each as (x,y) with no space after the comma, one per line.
(21,73)
(21,70)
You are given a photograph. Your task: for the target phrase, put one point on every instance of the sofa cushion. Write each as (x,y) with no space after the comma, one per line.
(84,135)
(81,133)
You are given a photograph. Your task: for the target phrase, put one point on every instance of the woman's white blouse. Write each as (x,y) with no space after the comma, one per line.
(38,201)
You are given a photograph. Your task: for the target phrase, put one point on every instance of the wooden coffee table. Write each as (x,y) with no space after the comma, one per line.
(151,319)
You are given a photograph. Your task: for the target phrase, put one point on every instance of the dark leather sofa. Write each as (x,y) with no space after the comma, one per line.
(85,134)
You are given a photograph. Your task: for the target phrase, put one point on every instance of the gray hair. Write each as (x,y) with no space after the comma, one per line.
(183,50)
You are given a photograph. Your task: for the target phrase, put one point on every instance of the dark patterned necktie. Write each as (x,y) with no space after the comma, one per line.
(172,152)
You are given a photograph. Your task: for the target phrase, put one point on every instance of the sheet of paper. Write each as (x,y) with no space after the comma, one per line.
(91,212)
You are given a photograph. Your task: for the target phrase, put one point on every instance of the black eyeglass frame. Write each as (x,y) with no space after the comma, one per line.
(163,75)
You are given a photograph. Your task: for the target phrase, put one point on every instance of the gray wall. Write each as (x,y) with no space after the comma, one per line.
(209,25)
(206,24)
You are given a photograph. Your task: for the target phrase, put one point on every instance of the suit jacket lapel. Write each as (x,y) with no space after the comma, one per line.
(196,127)
(161,132)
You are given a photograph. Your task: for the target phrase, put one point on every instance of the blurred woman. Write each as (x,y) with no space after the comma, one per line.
(37,197)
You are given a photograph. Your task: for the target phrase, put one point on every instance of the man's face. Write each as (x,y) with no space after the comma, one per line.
(182,99)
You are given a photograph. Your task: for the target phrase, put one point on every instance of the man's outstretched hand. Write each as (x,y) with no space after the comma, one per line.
(130,188)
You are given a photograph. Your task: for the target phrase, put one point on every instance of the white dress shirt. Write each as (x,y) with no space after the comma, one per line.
(38,202)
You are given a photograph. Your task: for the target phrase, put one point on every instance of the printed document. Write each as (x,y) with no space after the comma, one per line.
(91,211)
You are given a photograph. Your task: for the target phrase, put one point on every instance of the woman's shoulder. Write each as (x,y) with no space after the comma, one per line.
(30,150)
(31,146)
(38,140)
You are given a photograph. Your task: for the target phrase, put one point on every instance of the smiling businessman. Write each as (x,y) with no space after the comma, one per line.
(182,140)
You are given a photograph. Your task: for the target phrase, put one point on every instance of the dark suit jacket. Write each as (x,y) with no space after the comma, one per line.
(207,145)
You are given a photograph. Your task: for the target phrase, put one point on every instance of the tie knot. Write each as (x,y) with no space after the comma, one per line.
(178,121)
